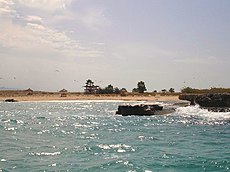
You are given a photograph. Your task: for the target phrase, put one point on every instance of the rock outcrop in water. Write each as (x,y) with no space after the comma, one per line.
(213,102)
(10,100)
(143,110)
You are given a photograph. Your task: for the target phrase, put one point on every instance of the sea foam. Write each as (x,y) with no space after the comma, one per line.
(196,111)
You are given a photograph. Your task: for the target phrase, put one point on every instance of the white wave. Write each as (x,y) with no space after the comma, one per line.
(160,103)
(45,153)
(163,103)
(82,101)
(10,129)
(121,150)
(204,113)
(120,147)
(106,147)
(53,165)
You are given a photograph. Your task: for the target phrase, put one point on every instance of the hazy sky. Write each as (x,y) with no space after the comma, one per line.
(54,44)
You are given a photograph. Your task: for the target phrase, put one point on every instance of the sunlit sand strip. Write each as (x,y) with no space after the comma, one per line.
(90,98)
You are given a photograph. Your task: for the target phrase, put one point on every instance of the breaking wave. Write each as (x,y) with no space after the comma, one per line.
(203,115)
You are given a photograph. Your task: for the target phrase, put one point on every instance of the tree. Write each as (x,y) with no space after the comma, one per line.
(90,88)
(141,87)
(135,90)
(172,90)
(100,91)
(109,89)
(117,90)
(187,90)
(89,82)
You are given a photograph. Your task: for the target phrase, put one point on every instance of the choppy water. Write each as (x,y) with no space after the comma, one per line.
(87,136)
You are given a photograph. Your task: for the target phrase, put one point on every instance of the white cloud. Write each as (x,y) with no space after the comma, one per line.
(198,60)
(140,50)
(34,18)
(36,26)
(6,7)
(49,5)
(40,38)
(27,30)
(94,19)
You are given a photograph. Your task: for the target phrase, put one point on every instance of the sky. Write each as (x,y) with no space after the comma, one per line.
(53,44)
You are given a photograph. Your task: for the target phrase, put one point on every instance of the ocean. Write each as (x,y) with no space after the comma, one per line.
(88,136)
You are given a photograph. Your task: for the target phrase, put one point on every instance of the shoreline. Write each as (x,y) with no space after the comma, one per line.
(71,97)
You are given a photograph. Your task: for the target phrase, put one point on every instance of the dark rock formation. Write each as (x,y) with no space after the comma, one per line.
(212,102)
(143,110)
(189,97)
(10,100)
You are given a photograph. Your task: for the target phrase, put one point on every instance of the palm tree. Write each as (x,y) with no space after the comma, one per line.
(90,88)
(172,90)
(89,82)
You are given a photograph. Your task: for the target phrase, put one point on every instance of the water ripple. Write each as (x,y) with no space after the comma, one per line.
(88,136)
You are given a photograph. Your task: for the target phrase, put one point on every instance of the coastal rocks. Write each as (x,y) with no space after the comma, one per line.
(10,100)
(142,110)
(189,97)
(212,102)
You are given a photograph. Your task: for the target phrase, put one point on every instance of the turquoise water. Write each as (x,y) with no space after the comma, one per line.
(88,136)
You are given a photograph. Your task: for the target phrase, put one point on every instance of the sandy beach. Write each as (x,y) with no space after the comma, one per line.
(41,96)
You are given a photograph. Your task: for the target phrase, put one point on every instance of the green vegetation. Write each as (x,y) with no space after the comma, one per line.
(140,87)
(110,90)
(164,91)
(89,82)
(172,90)
(202,91)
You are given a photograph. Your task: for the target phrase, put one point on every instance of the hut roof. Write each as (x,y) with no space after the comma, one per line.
(29,90)
(63,91)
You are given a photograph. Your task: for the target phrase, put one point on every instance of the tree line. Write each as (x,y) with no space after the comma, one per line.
(190,90)
(110,89)
(141,88)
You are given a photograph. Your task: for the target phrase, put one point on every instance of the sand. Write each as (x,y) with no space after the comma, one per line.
(72,96)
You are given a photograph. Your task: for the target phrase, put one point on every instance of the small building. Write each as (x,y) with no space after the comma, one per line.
(91,89)
(164,91)
(124,92)
(63,93)
(29,91)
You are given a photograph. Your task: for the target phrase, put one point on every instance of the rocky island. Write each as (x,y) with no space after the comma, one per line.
(143,110)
